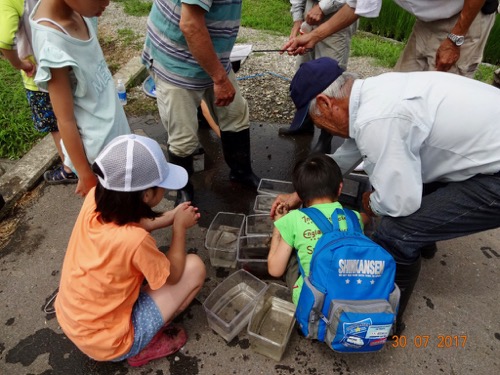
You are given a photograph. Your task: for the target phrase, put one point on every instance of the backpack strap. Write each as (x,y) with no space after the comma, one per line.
(324,224)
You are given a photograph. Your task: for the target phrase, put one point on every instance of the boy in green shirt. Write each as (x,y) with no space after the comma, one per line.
(318,182)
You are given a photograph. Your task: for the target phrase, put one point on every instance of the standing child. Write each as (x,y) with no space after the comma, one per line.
(318,183)
(71,66)
(102,306)
(16,46)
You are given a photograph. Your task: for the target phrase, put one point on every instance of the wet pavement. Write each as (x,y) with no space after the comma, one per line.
(452,319)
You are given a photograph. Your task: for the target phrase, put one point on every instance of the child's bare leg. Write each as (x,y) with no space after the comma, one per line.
(56,136)
(173,299)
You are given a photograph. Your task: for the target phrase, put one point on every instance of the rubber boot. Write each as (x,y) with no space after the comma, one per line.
(428,251)
(324,143)
(406,278)
(236,150)
(186,194)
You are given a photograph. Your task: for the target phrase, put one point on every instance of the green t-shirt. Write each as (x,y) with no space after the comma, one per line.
(299,231)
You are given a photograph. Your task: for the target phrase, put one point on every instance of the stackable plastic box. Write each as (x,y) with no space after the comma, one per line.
(229,306)
(259,225)
(352,193)
(272,321)
(263,203)
(252,254)
(222,238)
(274,187)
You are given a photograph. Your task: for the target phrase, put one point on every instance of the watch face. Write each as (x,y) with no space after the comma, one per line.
(459,41)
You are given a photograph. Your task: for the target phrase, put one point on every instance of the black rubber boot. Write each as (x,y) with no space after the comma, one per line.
(307,127)
(406,278)
(186,194)
(324,143)
(236,149)
(428,251)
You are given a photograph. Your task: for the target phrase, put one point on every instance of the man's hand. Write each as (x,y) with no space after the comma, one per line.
(300,44)
(224,92)
(315,15)
(366,204)
(447,55)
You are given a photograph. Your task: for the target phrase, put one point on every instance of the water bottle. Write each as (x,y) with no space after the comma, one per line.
(122,93)
(305,28)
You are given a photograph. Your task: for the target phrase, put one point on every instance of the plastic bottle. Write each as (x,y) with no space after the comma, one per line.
(122,92)
(305,28)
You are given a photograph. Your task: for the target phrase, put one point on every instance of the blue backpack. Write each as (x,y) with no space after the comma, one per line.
(349,300)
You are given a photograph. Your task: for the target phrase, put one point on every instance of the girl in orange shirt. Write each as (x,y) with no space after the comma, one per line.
(102,305)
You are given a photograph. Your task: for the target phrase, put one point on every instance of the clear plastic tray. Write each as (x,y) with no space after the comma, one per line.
(252,254)
(263,203)
(260,224)
(272,322)
(274,187)
(222,237)
(229,306)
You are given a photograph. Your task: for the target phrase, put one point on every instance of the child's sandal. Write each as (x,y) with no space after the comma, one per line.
(167,341)
(60,176)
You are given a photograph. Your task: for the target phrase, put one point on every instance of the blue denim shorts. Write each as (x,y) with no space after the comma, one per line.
(147,321)
(42,112)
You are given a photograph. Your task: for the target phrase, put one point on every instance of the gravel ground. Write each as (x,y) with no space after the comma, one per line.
(264,78)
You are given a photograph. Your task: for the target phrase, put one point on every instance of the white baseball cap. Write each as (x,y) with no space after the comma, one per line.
(134,163)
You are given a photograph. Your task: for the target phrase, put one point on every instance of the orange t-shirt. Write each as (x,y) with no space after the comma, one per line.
(102,274)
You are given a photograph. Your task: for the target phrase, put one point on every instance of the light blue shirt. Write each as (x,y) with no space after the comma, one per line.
(415,128)
(99,115)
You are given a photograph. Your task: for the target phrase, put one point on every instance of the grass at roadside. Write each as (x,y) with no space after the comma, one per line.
(17,134)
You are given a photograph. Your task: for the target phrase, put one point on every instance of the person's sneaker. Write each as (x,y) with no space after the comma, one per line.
(60,176)
(167,341)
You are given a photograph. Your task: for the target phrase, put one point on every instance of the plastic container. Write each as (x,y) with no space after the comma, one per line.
(222,237)
(305,28)
(122,92)
(263,203)
(230,304)
(252,254)
(260,224)
(271,322)
(352,193)
(275,187)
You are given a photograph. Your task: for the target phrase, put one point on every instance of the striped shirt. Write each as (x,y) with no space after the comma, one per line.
(166,51)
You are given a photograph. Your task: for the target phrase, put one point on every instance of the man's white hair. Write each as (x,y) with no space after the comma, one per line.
(339,89)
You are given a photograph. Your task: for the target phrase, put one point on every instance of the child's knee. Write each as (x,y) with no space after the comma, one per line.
(195,267)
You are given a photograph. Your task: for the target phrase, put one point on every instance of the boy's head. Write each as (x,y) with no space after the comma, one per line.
(135,163)
(315,177)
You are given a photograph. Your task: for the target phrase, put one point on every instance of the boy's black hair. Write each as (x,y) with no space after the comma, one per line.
(316,176)
(121,207)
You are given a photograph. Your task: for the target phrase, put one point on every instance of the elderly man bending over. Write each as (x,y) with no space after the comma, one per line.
(430,143)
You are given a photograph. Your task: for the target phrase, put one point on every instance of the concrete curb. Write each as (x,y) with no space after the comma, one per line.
(28,170)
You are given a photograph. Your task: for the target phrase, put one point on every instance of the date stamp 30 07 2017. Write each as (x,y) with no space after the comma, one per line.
(429,341)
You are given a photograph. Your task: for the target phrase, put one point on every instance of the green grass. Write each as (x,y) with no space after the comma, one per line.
(136,7)
(384,51)
(269,15)
(17,133)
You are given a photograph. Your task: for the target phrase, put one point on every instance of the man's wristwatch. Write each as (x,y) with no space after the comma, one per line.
(458,40)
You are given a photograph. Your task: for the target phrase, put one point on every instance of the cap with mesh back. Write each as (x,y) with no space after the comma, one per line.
(134,163)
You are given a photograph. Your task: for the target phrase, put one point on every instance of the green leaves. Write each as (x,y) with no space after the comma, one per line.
(17,133)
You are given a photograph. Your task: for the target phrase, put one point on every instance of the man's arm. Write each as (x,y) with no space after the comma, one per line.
(193,26)
(448,53)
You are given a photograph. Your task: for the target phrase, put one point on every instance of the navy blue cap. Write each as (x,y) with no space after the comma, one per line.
(310,80)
